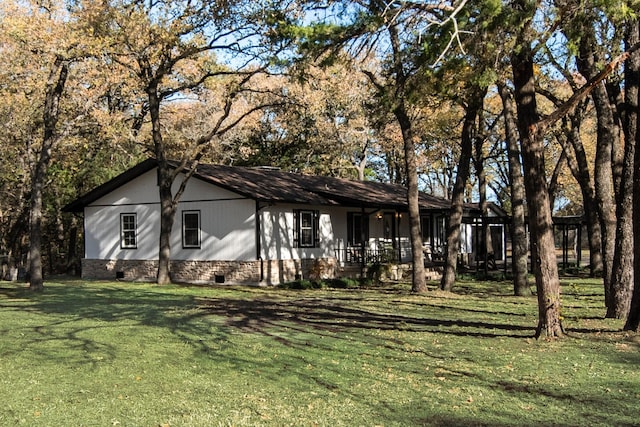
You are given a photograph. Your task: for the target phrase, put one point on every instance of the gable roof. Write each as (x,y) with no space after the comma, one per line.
(270,185)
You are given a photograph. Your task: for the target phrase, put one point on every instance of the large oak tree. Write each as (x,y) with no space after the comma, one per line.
(172,49)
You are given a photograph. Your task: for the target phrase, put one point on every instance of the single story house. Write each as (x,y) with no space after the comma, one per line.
(254,225)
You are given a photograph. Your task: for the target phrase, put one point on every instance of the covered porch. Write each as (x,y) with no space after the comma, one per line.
(381,237)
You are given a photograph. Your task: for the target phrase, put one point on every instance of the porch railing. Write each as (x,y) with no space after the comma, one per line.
(358,256)
(386,255)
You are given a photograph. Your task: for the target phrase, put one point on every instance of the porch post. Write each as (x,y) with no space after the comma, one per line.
(504,246)
(579,244)
(485,233)
(396,226)
(362,242)
(565,246)
(476,254)
(432,234)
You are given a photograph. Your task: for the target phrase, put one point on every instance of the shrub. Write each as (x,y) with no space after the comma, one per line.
(301,284)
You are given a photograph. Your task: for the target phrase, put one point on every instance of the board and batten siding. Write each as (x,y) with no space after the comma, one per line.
(227,222)
(277,226)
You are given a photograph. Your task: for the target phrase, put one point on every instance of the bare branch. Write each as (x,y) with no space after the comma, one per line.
(543,124)
(455,36)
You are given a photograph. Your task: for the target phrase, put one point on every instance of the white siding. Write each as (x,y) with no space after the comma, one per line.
(102,232)
(227,231)
(227,223)
(277,236)
(142,190)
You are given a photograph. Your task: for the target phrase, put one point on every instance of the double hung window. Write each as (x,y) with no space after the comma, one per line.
(128,231)
(191,229)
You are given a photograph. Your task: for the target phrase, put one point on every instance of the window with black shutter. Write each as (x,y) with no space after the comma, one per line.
(306,228)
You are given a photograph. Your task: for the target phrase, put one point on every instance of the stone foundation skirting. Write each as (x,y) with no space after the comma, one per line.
(269,272)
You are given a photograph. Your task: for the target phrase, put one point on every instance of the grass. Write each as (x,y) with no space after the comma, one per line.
(122,354)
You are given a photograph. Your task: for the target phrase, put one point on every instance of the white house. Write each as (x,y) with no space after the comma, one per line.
(252,225)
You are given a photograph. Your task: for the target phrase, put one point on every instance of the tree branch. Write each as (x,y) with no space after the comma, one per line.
(543,124)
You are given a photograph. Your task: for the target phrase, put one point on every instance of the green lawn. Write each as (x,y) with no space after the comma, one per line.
(122,354)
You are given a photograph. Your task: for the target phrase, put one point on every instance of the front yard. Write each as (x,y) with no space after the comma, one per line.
(109,354)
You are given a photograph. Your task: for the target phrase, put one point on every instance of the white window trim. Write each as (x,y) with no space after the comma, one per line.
(298,228)
(123,243)
(184,229)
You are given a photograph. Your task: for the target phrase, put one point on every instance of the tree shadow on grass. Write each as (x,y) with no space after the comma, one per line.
(335,315)
(282,316)
(300,321)
(77,317)
(105,303)
(263,310)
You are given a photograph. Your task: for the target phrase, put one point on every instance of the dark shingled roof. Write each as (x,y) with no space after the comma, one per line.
(270,185)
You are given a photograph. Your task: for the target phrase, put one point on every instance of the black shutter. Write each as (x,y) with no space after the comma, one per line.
(296,228)
(316,228)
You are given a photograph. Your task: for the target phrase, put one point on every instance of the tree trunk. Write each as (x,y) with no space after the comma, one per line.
(622,269)
(72,248)
(605,199)
(552,182)
(419,282)
(519,245)
(607,136)
(165,181)
(540,221)
(633,318)
(457,198)
(54,90)
(36,281)
(581,173)
(167,216)
(622,274)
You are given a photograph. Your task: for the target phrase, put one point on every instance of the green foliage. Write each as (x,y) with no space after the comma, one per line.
(302,284)
(619,10)
(489,11)
(338,283)
(313,38)
(318,35)
(375,271)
